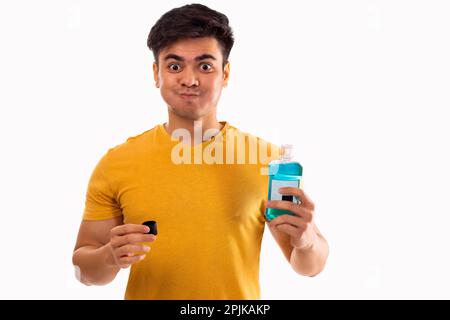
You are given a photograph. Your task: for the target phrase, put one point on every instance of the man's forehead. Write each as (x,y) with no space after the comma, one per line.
(190,49)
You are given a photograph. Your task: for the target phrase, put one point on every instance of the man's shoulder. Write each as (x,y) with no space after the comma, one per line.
(133,143)
(234,131)
(259,150)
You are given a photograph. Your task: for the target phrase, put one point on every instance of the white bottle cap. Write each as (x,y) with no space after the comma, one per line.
(286,152)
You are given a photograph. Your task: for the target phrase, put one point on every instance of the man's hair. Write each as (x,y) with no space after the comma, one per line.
(191,21)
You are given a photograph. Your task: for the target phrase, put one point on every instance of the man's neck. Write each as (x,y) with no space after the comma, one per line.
(194,127)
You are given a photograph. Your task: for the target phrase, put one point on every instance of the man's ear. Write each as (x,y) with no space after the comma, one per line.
(226,74)
(155,74)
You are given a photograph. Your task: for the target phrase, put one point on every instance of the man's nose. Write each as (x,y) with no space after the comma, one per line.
(189,78)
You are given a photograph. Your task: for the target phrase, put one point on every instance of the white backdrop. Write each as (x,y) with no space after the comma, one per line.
(361,88)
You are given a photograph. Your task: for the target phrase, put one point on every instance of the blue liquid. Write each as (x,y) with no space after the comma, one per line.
(282,174)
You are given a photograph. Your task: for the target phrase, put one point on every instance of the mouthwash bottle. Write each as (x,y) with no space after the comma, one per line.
(283,172)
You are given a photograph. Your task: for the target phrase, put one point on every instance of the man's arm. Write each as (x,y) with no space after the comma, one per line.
(297,235)
(104,247)
(308,261)
(92,257)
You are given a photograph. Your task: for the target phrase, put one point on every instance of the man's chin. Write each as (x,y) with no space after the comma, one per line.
(190,114)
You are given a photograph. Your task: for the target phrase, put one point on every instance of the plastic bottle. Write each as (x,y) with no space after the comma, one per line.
(283,172)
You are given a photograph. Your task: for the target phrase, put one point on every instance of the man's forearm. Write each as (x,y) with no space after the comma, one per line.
(310,261)
(94,266)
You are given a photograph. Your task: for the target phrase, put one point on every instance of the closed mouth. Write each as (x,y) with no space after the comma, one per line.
(189,94)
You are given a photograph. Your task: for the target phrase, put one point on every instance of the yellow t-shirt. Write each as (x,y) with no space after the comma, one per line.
(210,217)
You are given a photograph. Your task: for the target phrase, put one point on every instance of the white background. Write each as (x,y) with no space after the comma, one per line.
(361,88)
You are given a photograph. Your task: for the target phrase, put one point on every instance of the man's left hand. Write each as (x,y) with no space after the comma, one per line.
(299,227)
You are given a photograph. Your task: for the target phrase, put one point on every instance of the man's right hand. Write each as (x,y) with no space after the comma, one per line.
(124,244)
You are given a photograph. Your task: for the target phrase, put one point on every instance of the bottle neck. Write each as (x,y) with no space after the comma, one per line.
(285,159)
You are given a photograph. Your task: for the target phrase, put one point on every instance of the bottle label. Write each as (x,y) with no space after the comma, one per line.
(276,184)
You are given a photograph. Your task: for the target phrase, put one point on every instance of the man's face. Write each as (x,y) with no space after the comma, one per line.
(191,76)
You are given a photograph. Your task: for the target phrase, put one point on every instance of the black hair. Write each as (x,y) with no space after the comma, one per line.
(191,21)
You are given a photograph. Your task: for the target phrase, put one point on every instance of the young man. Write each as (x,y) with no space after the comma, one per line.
(209,213)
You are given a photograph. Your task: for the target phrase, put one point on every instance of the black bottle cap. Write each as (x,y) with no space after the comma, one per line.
(152,226)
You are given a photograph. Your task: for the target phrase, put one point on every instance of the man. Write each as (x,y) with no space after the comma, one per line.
(210,213)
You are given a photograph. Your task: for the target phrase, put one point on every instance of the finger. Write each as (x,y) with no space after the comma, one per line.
(296,222)
(299,211)
(128,261)
(134,238)
(131,249)
(285,205)
(300,194)
(282,205)
(129,228)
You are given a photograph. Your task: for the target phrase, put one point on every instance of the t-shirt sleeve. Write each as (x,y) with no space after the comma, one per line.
(101,201)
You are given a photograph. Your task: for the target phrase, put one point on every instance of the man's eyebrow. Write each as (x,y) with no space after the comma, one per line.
(199,58)
(204,57)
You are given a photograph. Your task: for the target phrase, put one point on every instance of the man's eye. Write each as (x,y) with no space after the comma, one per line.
(174,67)
(206,67)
